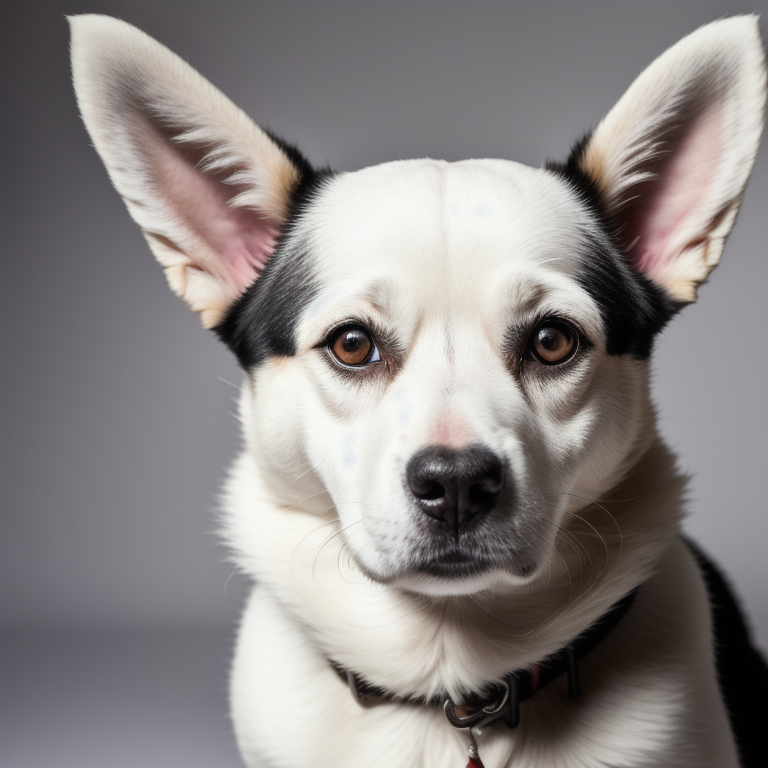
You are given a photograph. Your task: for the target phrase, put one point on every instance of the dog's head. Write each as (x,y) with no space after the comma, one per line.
(450,357)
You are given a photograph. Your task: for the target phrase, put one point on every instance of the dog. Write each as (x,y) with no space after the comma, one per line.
(461,523)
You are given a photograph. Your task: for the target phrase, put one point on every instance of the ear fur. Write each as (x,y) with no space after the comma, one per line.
(208,187)
(671,160)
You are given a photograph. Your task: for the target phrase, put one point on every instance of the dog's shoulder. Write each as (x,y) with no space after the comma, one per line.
(741,670)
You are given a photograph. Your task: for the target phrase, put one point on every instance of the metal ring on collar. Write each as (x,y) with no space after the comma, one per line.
(487,714)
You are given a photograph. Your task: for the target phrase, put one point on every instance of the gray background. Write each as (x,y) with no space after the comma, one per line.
(118,606)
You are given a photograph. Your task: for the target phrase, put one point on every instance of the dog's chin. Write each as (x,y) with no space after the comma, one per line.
(436,586)
(450,579)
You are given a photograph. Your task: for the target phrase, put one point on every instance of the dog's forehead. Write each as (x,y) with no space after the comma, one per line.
(442,216)
(452,233)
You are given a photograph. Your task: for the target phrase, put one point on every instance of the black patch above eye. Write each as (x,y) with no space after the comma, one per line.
(633,309)
(262,323)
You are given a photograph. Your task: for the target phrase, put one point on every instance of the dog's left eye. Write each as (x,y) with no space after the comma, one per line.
(354,346)
(554,342)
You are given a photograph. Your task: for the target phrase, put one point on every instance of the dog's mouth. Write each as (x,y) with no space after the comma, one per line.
(457,570)
(454,565)
(457,573)
(499,543)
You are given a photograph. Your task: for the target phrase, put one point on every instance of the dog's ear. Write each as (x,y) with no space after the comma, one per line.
(208,187)
(670,161)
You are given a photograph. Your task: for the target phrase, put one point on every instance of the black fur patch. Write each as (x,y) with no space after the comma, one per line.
(262,322)
(741,670)
(633,309)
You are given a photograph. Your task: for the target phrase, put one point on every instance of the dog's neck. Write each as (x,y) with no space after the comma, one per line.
(414,645)
(501,701)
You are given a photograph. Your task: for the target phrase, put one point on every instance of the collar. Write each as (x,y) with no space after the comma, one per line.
(502,700)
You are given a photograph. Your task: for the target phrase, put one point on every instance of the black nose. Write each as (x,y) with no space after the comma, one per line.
(455,486)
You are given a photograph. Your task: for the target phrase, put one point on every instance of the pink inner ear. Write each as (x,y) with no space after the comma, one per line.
(242,239)
(245,242)
(666,212)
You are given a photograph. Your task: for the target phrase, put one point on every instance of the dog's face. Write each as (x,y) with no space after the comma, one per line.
(451,383)
(450,360)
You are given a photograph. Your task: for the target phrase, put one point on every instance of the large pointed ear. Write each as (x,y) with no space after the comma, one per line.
(671,159)
(208,187)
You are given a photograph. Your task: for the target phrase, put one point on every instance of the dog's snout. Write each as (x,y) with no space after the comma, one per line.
(455,486)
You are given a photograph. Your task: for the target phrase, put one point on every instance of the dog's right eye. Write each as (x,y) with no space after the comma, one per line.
(353,346)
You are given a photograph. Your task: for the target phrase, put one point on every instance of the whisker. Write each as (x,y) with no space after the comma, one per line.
(305,472)
(387,624)
(328,540)
(307,498)
(599,506)
(576,551)
(304,538)
(562,559)
(549,565)
(549,574)
(489,610)
(556,258)
(229,578)
(493,616)
(314,495)
(344,548)
(580,543)
(319,527)
(238,387)
(597,533)
(595,501)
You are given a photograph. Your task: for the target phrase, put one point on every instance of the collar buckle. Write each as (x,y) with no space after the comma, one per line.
(492,708)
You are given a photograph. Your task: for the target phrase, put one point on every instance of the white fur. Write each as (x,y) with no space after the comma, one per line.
(448,256)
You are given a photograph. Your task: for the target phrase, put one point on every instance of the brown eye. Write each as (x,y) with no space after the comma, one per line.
(554,342)
(353,345)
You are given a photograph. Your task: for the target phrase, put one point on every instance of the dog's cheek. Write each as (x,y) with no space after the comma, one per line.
(558,425)
(623,425)
(359,452)
(355,456)
(275,405)
(583,426)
